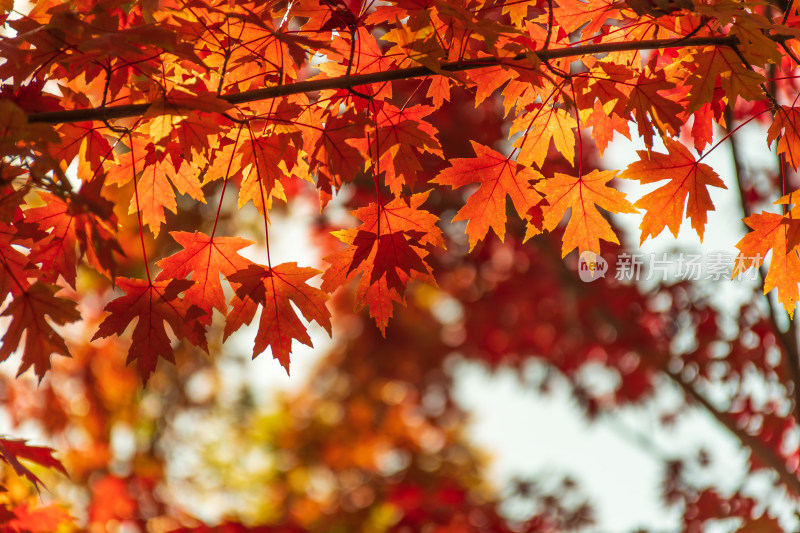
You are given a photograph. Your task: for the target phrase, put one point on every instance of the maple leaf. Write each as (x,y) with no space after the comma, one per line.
(156,192)
(786,125)
(394,256)
(15,268)
(88,143)
(517,11)
(330,155)
(498,177)
(265,160)
(772,232)
(604,122)
(158,172)
(402,135)
(651,108)
(583,194)
(703,124)
(488,80)
(687,177)
(206,258)
(84,224)
(708,65)
(546,123)
(388,249)
(12,450)
(28,311)
(275,289)
(574,14)
(751,33)
(57,252)
(153,304)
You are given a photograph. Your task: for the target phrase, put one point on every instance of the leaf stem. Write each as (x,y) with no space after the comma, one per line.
(139,211)
(225,182)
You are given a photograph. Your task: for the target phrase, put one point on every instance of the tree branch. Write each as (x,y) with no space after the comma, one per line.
(759,450)
(348,82)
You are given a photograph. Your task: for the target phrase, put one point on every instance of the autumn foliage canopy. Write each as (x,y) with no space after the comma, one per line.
(141,140)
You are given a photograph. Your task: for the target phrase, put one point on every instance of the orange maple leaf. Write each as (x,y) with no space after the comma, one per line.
(158,171)
(156,192)
(651,108)
(687,177)
(205,258)
(275,289)
(772,231)
(538,128)
(583,194)
(787,126)
(498,177)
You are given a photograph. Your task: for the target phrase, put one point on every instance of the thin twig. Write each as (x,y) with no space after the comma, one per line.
(759,450)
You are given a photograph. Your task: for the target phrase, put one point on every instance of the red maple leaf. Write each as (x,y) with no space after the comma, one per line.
(260,168)
(72,226)
(14,268)
(154,304)
(12,450)
(388,248)
(275,289)
(29,310)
